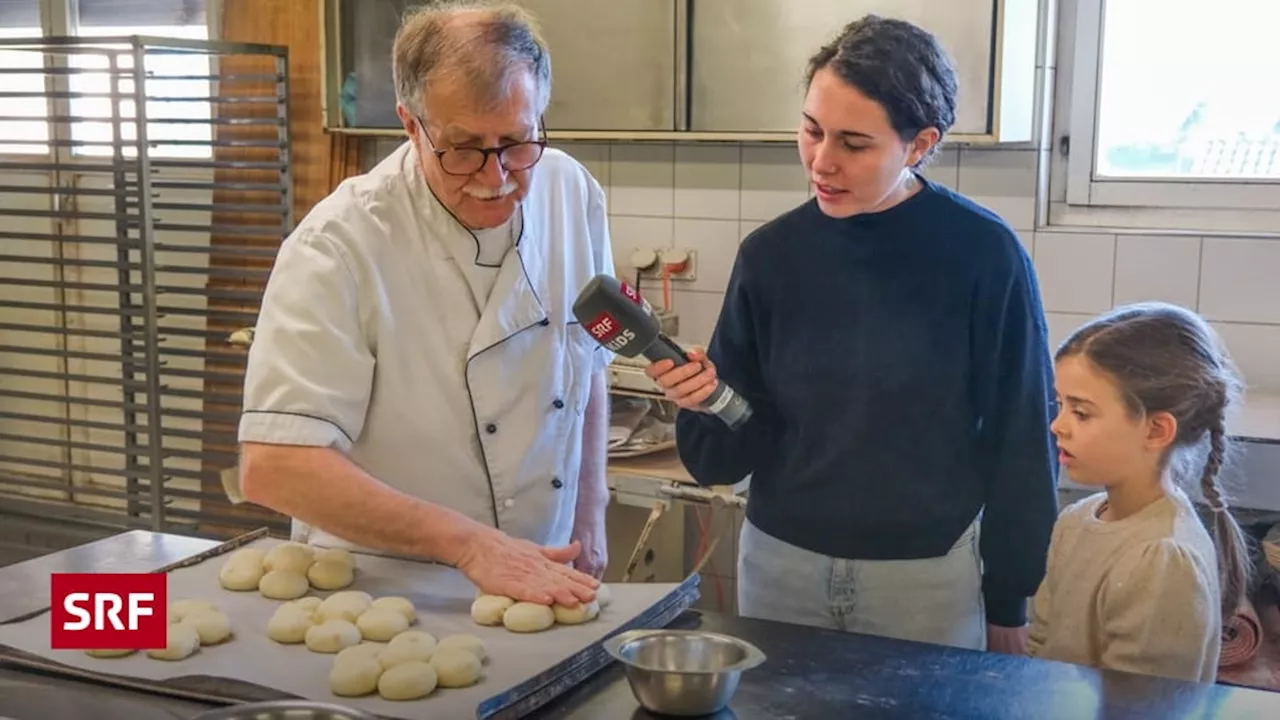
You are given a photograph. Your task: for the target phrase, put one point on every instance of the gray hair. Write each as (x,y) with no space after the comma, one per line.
(488,43)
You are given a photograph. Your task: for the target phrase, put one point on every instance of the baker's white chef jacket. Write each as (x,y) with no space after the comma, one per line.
(372,340)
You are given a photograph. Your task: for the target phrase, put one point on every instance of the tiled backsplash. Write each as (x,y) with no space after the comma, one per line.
(707,197)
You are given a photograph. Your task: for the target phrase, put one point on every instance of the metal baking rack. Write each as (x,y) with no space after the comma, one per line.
(145,188)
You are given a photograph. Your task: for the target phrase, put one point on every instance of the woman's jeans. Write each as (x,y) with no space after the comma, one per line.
(935,600)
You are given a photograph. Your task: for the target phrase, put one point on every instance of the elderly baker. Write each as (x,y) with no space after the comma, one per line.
(418,385)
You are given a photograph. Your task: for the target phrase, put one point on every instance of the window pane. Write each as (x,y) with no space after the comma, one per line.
(1183,92)
(164,19)
(23,127)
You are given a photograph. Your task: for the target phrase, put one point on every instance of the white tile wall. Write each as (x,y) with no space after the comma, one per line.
(709,197)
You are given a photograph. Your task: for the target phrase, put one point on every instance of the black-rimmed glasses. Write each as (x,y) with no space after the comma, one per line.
(513,157)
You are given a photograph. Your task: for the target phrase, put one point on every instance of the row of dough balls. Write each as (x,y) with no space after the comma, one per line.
(527,617)
(409,667)
(374,648)
(288,571)
(340,620)
(192,624)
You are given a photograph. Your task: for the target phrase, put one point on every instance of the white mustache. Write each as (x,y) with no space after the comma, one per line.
(484,193)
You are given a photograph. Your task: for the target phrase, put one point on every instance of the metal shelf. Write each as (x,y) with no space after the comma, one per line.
(135,240)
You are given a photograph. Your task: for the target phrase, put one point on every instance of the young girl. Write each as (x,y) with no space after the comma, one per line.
(1134,581)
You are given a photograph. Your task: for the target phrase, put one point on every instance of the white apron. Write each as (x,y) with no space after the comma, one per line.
(370,340)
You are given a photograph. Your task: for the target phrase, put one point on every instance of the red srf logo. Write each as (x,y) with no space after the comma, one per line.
(603,327)
(630,292)
(108,611)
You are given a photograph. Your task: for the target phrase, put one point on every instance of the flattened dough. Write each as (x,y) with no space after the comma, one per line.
(332,636)
(213,626)
(289,556)
(407,646)
(408,681)
(381,624)
(242,572)
(401,605)
(354,676)
(289,625)
(331,575)
(345,605)
(364,649)
(183,640)
(284,585)
(455,668)
(527,617)
(180,609)
(339,554)
(488,609)
(583,612)
(470,643)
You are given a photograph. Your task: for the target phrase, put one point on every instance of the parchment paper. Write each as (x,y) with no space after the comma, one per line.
(442,597)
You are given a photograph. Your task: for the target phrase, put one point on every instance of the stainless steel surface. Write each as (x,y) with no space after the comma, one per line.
(24,587)
(683,672)
(134,242)
(734,89)
(613,63)
(285,710)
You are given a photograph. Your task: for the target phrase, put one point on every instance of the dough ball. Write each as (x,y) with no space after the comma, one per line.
(180,609)
(381,624)
(109,653)
(346,605)
(310,604)
(470,643)
(183,640)
(283,585)
(289,625)
(408,681)
(526,617)
(368,649)
(343,556)
(330,575)
(488,609)
(354,676)
(400,605)
(332,636)
(212,626)
(583,612)
(289,556)
(455,668)
(241,572)
(406,647)
(604,596)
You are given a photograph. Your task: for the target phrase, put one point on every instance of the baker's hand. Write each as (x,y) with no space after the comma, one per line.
(1007,640)
(502,565)
(688,385)
(595,549)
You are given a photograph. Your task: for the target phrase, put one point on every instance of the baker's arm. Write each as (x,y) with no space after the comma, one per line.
(307,388)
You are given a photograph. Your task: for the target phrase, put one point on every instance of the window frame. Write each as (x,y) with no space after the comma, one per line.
(60,17)
(1084,188)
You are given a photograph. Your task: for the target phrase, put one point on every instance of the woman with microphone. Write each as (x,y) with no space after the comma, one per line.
(889,336)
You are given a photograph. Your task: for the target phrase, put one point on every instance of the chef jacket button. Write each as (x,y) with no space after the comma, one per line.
(558,403)
(491,428)
(556,483)
(544,322)
(509,502)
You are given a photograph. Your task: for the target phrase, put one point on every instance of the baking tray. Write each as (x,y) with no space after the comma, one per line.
(525,671)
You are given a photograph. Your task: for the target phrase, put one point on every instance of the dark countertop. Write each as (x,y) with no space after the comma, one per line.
(810,673)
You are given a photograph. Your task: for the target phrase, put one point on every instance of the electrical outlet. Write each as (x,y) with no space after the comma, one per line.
(688,258)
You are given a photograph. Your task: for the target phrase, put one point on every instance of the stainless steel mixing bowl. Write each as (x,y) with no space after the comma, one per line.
(683,672)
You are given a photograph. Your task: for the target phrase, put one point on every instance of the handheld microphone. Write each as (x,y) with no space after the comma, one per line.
(616,317)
